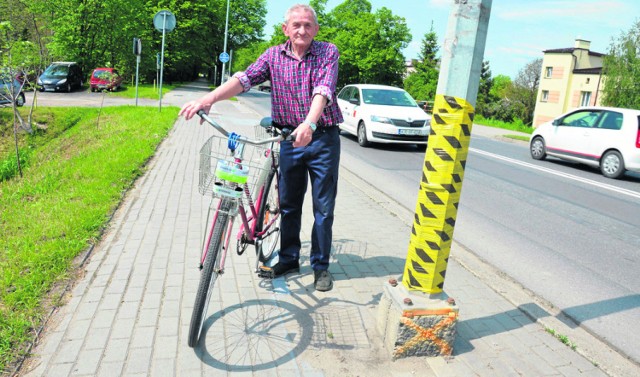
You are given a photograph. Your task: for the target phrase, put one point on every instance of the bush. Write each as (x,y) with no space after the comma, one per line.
(504,110)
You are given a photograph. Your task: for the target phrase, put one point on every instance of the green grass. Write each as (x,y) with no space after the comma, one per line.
(514,126)
(562,338)
(78,172)
(144,90)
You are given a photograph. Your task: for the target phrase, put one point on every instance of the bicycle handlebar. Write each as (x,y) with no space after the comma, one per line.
(285,133)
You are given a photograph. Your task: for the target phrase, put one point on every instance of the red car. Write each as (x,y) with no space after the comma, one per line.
(105,79)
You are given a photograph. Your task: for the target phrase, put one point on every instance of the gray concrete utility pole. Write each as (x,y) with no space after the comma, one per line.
(416,317)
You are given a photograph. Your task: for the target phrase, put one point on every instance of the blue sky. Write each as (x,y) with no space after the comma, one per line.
(519,30)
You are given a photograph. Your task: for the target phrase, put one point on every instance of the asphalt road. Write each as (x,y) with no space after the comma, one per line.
(561,230)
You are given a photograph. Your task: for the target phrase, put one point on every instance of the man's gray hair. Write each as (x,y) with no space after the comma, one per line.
(296,7)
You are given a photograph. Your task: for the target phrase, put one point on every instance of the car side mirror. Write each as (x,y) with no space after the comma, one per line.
(354,101)
(556,122)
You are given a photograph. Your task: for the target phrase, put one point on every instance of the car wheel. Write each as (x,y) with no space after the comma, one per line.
(538,149)
(362,135)
(68,87)
(20,100)
(93,89)
(41,89)
(612,165)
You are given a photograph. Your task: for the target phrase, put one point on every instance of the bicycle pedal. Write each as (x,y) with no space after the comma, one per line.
(266,272)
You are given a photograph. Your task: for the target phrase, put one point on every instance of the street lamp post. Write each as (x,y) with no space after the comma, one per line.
(226,32)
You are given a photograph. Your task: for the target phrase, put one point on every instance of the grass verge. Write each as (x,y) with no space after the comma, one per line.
(144,91)
(78,172)
(514,126)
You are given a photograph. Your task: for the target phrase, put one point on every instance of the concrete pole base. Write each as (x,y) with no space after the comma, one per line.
(415,323)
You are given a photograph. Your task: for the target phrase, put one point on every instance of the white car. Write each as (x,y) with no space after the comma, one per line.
(607,138)
(382,114)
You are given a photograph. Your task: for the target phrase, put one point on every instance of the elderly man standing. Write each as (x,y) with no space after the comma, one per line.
(303,74)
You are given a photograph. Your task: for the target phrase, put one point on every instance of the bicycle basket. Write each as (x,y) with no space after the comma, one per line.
(219,170)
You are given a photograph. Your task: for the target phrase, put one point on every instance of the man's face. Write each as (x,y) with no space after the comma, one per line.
(301,28)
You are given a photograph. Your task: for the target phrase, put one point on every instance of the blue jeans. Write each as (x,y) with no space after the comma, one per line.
(319,161)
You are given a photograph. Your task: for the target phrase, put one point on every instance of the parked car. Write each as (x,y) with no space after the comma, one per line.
(607,138)
(265,87)
(63,76)
(10,90)
(105,79)
(382,114)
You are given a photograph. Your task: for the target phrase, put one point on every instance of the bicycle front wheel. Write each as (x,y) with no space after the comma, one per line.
(209,273)
(269,217)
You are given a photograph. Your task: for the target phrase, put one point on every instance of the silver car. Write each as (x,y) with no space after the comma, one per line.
(10,90)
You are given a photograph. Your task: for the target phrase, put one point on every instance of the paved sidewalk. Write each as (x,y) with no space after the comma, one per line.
(129,314)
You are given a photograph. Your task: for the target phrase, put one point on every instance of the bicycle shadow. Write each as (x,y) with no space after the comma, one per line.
(263,334)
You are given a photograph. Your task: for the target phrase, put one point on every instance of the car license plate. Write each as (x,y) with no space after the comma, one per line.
(410,132)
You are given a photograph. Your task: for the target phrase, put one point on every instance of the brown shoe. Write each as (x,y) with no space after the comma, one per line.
(323,281)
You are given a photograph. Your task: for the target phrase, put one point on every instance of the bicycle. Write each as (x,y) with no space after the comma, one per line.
(230,179)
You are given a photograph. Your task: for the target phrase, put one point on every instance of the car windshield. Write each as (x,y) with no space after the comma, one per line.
(103,75)
(57,70)
(387,97)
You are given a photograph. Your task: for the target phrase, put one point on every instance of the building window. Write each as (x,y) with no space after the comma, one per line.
(545,96)
(548,71)
(585,98)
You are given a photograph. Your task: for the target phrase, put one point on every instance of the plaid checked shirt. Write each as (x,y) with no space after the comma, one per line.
(294,82)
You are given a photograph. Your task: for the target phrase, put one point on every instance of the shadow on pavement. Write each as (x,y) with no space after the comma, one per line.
(472,329)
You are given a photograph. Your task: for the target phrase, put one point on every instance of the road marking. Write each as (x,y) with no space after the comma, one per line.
(605,186)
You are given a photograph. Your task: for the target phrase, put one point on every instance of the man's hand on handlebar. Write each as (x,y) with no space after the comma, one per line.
(302,134)
(191,108)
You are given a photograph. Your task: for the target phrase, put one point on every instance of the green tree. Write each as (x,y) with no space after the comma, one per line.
(370,44)
(522,94)
(484,99)
(499,87)
(621,68)
(422,83)
(100,33)
(249,54)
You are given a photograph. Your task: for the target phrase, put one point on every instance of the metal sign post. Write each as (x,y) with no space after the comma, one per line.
(137,50)
(224,50)
(163,21)
(224,58)
(157,70)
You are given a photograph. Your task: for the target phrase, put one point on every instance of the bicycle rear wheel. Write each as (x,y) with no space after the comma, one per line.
(209,273)
(269,210)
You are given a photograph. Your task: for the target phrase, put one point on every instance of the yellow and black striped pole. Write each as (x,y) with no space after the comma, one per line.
(417,318)
(446,156)
(437,207)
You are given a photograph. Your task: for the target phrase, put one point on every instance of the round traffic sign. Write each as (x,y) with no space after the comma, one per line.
(224,57)
(164,21)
